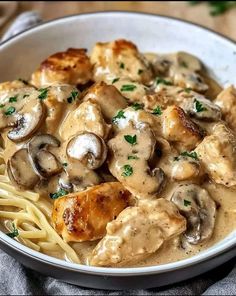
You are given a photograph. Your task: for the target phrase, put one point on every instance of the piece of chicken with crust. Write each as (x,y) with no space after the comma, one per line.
(138,232)
(108,97)
(226,100)
(83,216)
(120,58)
(217,152)
(179,129)
(72,67)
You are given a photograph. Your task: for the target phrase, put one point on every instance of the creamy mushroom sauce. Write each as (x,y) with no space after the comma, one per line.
(123,85)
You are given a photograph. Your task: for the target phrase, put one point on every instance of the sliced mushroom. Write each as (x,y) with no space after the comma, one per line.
(20,171)
(89,149)
(44,162)
(27,124)
(201,108)
(199,209)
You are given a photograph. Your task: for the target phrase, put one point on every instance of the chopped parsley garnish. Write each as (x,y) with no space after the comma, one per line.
(14,232)
(2,105)
(119,115)
(187,203)
(137,106)
(24,81)
(188,154)
(128,87)
(128,170)
(183,64)
(132,157)
(115,80)
(43,93)
(187,90)
(140,71)
(157,111)
(122,65)
(131,139)
(72,96)
(198,106)
(13,99)
(59,193)
(10,111)
(25,96)
(65,164)
(217,7)
(160,80)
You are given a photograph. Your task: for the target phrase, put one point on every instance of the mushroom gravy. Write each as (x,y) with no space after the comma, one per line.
(134,154)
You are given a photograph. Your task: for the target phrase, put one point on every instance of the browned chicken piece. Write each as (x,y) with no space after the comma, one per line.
(72,67)
(138,232)
(226,100)
(218,155)
(83,216)
(108,97)
(120,59)
(178,128)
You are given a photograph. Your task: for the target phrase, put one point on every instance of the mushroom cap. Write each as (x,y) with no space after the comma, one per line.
(89,149)
(20,171)
(196,205)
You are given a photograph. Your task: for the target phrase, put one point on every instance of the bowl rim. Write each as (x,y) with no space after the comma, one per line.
(205,255)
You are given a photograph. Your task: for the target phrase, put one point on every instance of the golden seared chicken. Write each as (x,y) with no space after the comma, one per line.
(217,152)
(179,129)
(108,97)
(72,67)
(138,232)
(226,100)
(120,58)
(83,216)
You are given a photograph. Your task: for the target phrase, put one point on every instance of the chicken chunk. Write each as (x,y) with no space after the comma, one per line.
(86,117)
(226,100)
(72,67)
(83,216)
(218,155)
(120,58)
(180,129)
(108,97)
(138,232)
(131,149)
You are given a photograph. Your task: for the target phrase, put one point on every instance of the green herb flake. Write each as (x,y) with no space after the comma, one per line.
(122,65)
(132,157)
(128,87)
(157,111)
(198,106)
(72,97)
(190,154)
(137,106)
(131,139)
(65,164)
(183,64)
(43,93)
(115,80)
(140,71)
(2,105)
(59,193)
(13,99)
(25,96)
(187,203)
(118,116)
(10,111)
(160,80)
(127,170)
(187,90)
(14,232)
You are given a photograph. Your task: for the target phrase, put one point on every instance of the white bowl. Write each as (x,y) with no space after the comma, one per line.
(22,54)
